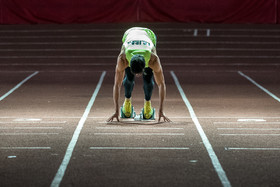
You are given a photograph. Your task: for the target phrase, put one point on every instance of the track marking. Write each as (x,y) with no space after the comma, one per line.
(215,161)
(208,32)
(18,85)
(24,128)
(68,154)
(262,88)
(24,148)
(139,148)
(32,122)
(253,120)
(11,156)
(26,134)
(138,134)
(142,128)
(253,149)
(247,122)
(28,119)
(195,32)
(250,134)
(257,129)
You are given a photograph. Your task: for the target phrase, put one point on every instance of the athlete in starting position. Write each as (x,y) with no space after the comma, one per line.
(138,57)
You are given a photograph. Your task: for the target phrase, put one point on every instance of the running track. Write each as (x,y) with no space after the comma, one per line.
(222,96)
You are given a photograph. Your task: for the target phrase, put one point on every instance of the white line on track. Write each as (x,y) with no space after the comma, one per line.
(142,128)
(139,148)
(24,128)
(257,129)
(215,161)
(26,134)
(195,32)
(18,85)
(208,32)
(253,149)
(137,134)
(68,154)
(250,134)
(25,148)
(258,85)
(249,122)
(32,122)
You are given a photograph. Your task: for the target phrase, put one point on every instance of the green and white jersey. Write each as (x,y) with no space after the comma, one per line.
(139,40)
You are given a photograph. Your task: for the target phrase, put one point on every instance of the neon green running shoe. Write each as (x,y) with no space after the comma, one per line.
(126,109)
(148,110)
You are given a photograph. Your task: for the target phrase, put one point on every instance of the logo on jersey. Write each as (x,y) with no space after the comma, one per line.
(138,42)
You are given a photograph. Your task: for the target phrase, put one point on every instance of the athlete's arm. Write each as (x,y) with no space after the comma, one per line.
(159,78)
(119,75)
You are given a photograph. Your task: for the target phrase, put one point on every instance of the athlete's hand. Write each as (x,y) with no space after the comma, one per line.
(162,115)
(115,115)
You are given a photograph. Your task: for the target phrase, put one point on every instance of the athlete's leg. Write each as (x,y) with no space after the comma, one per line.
(128,83)
(148,85)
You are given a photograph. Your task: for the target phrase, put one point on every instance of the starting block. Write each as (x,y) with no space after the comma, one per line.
(141,117)
(133,114)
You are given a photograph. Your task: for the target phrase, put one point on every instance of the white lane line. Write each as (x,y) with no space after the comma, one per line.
(250,119)
(142,128)
(18,85)
(208,32)
(215,161)
(68,154)
(138,134)
(250,134)
(25,148)
(33,122)
(139,148)
(26,134)
(248,123)
(262,88)
(253,149)
(257,129)
(195,32)
(28,119)
(24,128)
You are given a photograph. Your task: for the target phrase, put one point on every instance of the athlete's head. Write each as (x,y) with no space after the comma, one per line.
(137,64)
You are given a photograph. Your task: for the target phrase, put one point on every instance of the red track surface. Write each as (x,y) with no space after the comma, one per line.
(240,120)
